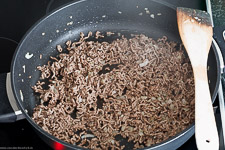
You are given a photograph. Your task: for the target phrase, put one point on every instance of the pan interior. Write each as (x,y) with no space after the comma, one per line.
(66,24)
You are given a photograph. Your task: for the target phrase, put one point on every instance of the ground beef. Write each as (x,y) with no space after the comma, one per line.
(100,94)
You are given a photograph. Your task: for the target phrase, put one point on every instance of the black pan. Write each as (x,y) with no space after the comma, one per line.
(119,16)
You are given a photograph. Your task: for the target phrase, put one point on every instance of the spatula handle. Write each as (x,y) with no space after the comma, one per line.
(205,126)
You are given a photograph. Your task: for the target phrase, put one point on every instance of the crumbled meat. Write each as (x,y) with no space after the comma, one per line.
(59,48)
(109,33)
(145,95)
(98,35)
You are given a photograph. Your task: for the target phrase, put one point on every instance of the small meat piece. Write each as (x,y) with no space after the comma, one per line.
(59,48)
(98,35)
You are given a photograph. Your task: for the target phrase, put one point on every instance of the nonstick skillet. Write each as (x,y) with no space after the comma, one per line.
(125,17)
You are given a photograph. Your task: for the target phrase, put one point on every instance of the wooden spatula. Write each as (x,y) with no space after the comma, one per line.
(196,33)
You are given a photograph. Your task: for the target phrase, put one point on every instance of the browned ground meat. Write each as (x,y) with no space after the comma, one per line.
(139,89)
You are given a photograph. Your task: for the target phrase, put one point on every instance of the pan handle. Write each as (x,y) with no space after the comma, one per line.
(9,112)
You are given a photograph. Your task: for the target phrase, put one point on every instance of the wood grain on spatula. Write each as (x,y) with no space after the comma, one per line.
(196,33)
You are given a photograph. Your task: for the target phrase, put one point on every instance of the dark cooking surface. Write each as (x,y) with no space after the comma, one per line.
(18,16)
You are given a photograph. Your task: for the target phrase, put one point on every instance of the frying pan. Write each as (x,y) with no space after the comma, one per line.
(124,17)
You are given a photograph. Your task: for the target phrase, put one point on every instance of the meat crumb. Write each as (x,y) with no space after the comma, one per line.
(98,35)
(24,69)
(21,95)
(59,48)
(28,55)
(146,61)
(152,16)
(109,33)
(159,14)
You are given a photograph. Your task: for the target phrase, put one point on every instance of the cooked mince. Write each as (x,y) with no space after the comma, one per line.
(139,89)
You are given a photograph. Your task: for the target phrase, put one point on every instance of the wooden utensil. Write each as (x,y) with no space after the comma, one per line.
(196,33)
